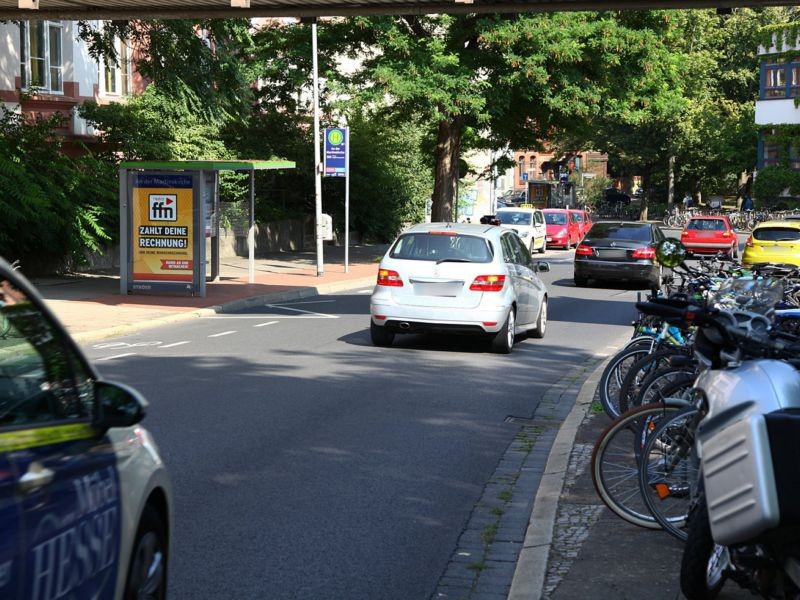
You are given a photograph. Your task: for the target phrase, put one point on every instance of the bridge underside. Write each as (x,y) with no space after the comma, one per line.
(165,9)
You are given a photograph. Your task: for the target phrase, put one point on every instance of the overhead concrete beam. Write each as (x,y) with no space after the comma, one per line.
(130,9)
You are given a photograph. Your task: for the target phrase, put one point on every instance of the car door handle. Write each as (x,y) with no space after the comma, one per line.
(37,476)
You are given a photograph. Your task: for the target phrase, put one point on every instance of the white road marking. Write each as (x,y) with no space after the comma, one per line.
(365,292)
(265,324)
(305,312)
(108,345)
(175,344)
(308,302)
(116,356)
(262,317)
(221,334)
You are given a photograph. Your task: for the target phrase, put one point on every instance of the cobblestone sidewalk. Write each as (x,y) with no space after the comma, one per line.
(483,565)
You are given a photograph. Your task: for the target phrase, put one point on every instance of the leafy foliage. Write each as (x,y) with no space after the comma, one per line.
(54,207)
(773,181)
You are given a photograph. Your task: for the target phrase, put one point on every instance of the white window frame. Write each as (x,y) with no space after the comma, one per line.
(121,72)
(50,68)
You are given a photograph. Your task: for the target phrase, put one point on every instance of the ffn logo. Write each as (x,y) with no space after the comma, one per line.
(163,207)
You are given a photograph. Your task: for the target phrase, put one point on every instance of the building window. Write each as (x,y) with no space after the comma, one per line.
(532,167)
(41,65)
(781,80)
(794,81)
(775,82)
(521,165)
(794,155)
(771,151)
(116,78)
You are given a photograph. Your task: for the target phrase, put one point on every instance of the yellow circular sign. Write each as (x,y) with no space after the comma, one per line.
(335,137)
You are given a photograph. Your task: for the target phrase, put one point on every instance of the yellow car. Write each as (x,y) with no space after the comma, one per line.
(773,242)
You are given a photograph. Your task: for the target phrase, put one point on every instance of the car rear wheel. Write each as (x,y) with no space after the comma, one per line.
(503,340)
(147,572)
(380,335)
(541,322)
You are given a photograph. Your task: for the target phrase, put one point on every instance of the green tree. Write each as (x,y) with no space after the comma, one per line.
(495,80)
(698,128)
(54,207)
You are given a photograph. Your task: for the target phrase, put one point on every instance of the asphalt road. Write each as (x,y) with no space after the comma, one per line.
(309,464)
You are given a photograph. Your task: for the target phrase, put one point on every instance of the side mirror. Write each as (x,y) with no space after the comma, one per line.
(542,267)
(670,252)
(117,405)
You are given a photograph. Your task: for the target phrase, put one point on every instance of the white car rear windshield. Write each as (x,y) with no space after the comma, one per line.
(442,247)
(508,217)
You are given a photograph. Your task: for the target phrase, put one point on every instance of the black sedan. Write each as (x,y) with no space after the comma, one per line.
(619,251)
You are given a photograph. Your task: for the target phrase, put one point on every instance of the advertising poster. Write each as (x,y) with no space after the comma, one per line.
(162,227)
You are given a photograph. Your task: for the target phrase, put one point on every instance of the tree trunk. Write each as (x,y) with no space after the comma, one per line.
(448,149)
(671,180)
(643,208)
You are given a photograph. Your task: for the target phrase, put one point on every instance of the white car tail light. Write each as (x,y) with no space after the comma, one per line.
(488,283)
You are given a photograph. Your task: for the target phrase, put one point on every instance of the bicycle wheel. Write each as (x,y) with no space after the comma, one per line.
(638,372)
(669,382)
(642,341)
(614,374)
(669,471)
(615,461)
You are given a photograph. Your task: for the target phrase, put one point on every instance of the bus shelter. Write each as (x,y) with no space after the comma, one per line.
(167,211)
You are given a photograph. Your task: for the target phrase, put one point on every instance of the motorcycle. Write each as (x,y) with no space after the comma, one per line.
(744,523)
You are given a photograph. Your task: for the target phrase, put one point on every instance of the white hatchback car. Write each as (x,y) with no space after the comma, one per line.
(85,499)
(529,224)
(463,278)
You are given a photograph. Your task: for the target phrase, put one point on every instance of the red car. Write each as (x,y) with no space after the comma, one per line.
(584,219)
(709,235)
(563,228)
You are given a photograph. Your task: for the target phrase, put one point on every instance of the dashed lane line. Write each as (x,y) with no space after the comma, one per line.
(175,344)
(215,335)
(309,302)
(116,356)
(265,324)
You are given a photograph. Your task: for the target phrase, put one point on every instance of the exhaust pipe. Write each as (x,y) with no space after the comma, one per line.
(404,325)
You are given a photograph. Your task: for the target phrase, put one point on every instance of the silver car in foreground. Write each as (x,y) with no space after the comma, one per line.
(462,278)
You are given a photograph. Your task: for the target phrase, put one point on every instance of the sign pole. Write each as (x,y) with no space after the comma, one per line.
(317,160)
(347,202)
(251,232)
(125,239)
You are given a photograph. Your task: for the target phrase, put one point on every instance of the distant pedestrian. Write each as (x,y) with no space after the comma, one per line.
(688,201)
(747,203)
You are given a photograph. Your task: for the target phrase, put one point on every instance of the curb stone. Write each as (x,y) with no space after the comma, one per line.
(486,562)
(529,576)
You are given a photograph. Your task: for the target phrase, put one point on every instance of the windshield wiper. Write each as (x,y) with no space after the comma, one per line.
(441,260)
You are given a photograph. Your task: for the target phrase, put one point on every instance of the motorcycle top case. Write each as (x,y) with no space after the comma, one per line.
(751,477)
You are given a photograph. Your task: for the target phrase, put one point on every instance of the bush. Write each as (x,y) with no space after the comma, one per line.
(772,182)
(54,208)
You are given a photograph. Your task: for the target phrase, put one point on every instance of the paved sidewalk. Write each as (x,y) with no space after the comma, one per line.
(596,555)
(91,306)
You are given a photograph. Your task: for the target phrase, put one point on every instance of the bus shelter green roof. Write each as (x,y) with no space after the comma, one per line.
(208,165)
